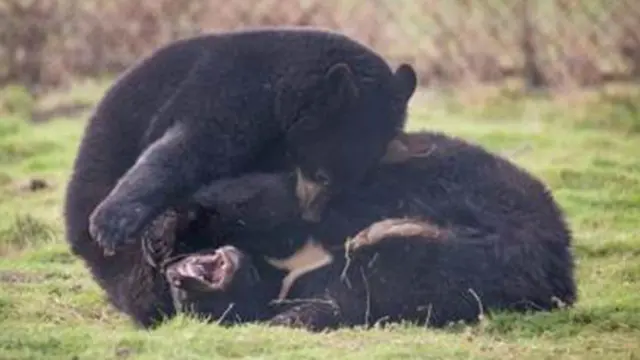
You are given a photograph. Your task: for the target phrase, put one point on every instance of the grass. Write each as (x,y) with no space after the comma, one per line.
(587,152)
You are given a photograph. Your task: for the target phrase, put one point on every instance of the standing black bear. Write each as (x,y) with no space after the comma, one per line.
(217,106)
(456,232)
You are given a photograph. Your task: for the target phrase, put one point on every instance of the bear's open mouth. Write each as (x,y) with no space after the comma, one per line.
(210,271)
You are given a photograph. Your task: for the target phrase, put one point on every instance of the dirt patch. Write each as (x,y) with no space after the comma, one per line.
(34,185)
(124,353)
(16,277)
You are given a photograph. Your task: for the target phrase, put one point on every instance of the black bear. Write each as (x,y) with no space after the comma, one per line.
(216,106)
(396,270)
(450,231)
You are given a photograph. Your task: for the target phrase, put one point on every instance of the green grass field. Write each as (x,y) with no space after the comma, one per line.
(588,154)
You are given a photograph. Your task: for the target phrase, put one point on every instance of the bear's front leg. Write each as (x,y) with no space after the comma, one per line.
(167,172)
(158,241)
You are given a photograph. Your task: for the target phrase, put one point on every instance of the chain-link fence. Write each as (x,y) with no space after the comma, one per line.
(551,43)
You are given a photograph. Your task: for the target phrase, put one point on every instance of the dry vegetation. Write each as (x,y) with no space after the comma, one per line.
(50,42)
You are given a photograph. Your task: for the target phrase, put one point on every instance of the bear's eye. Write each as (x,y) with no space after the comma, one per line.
(322,177)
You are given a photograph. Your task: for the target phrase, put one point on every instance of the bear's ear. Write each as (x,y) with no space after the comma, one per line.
(404,147)
(340,82)
(406,81)
(397,151)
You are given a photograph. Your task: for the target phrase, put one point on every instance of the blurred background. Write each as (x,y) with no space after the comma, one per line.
(550,44)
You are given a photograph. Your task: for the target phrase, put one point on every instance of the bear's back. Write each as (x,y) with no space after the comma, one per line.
(456,182)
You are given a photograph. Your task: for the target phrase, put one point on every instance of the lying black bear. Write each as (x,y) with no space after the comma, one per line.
(467,232)
(216,106)
(397,270)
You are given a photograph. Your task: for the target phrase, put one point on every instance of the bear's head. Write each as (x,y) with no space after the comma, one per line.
(221,284)
(342,127)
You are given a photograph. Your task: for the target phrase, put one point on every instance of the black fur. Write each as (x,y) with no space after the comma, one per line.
(494,239)
(217,106)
